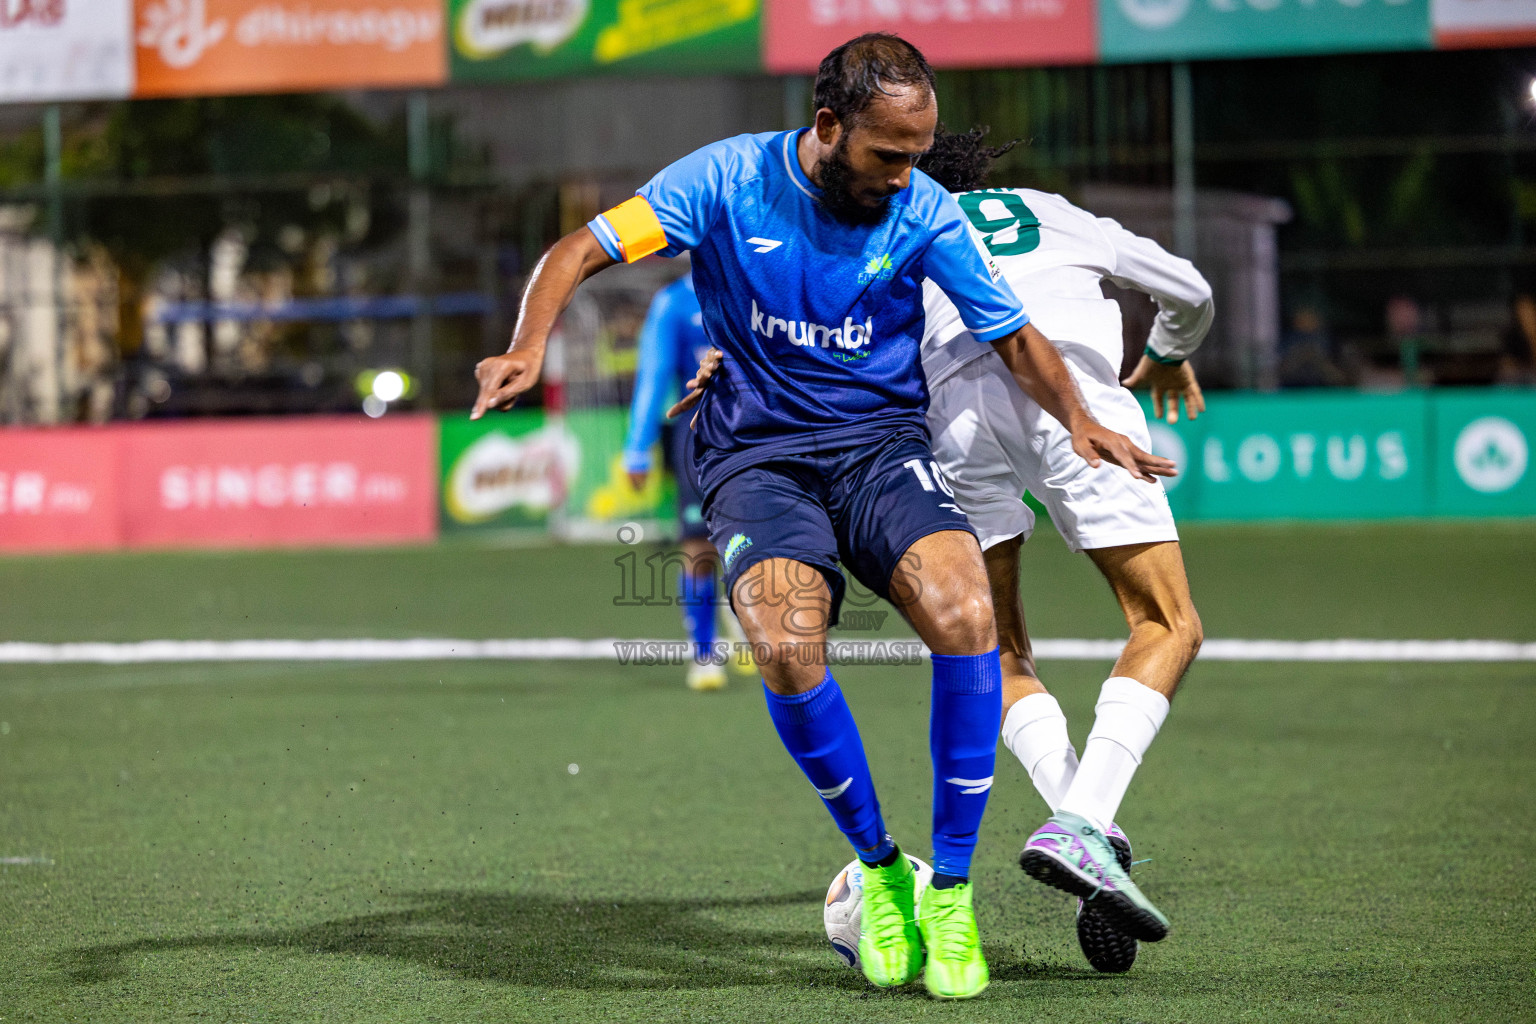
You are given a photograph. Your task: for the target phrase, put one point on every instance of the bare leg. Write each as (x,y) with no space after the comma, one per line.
(783,606)
(1149,582)
(696,596)
(940,587)
(1020,677)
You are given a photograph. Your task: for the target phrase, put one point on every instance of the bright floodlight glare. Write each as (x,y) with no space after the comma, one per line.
(1530,91)
(388,386)
(375,406)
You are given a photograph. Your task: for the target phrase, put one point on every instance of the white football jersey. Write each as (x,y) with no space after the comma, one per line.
(1054,255)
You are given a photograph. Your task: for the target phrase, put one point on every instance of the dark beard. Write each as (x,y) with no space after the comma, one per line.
(837,191)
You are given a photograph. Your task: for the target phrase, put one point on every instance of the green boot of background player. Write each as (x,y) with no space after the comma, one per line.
(890,950)
(956,968)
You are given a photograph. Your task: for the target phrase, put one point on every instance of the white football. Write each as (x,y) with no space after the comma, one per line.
(845,898)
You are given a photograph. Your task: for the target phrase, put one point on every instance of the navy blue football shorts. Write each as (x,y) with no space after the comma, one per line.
(857,506)
(690,501)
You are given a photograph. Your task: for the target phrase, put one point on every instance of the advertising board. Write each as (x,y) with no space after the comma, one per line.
(951,33)
(278,482)
(497,40)
(1469,23)
(65,50)
(58,490)
(1141,30)
(211,47)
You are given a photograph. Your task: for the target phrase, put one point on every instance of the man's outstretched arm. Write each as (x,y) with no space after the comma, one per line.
(571,261)
(1042,374)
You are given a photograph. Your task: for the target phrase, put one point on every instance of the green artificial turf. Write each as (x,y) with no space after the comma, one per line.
(408,841)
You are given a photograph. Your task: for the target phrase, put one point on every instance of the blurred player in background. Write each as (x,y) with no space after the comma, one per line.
(994,443)
(672,343)
(810,248)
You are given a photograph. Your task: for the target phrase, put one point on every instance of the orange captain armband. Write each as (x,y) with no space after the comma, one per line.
(637,227)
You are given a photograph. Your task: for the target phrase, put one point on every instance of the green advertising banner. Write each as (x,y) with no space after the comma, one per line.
(498,40)
(506,470)
(1323,455)
(601,491)
(1309,456)
(1141,30)
(519,469)
(1295,455)
(1483,443)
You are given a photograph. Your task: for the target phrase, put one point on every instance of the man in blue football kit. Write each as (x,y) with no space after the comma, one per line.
(810,248)
(672,342)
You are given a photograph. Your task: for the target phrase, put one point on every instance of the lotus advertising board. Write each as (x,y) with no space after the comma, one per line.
(1143,30)
(1313,455)
(1484,442)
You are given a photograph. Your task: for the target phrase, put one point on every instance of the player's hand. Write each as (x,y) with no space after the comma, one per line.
(638,477)
(502,378)
(708,366)
(1169,384)
(1098,444)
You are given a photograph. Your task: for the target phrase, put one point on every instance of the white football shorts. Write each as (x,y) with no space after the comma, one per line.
(994,443)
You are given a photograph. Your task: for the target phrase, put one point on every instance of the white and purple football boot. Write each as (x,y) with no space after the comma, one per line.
(1106,945)
(1072,855)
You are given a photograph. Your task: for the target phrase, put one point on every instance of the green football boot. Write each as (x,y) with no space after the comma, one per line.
(890,950)
(956,968)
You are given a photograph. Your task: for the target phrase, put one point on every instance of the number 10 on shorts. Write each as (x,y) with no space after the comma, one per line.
(923,477)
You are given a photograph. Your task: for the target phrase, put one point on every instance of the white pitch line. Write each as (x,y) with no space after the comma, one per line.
(25,861)
(844,651)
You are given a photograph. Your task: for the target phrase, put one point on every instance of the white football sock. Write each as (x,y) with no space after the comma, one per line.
(1036,731)
(1126,720)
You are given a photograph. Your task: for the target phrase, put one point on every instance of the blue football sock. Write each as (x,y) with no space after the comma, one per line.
(696,596)
(819,732)
(962,737)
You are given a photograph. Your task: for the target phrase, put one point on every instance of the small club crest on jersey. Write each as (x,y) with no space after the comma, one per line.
(877,268)
(739,543)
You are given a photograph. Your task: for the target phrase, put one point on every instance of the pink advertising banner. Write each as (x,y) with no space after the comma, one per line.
(58,490)
(230,483)
(951,33)
(279,482)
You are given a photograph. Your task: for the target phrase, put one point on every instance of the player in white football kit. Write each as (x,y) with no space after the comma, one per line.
(993,444)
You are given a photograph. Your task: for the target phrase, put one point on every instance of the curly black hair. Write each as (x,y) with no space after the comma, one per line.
(958,160)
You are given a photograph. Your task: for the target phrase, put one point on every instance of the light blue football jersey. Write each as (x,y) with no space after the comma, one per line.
(821,321)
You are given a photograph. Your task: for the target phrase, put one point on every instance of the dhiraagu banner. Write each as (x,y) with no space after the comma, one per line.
(496,40)
(1141,30)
